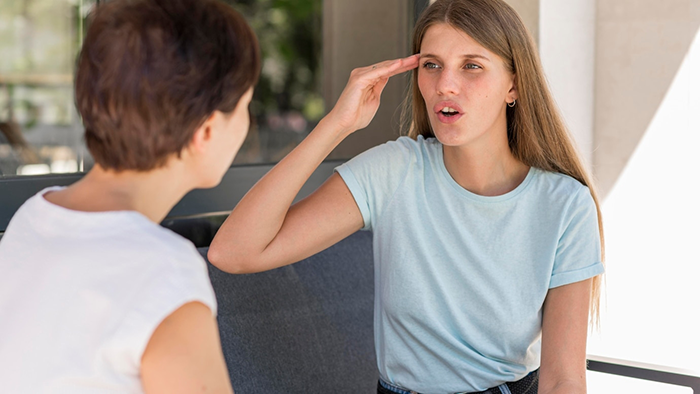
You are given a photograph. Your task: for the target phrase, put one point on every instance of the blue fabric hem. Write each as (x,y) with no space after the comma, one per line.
(392,388)
(578,275)
(356,191)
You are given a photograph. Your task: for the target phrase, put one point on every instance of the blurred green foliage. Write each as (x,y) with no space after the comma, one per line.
(289,32)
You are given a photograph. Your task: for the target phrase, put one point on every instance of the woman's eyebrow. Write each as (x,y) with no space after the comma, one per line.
(466,56)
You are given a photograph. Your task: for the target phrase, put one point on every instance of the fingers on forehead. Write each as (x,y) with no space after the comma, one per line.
(391,67)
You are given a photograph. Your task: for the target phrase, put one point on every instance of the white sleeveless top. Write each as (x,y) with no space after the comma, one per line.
(81,294)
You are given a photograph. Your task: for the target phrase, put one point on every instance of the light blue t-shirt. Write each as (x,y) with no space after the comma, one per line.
(460,279)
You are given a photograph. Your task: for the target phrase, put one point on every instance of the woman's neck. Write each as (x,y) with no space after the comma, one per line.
(487,171)
(151,193)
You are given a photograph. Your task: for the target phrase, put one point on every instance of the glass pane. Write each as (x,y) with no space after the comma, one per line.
(39,129)
(288,101)
(39,39)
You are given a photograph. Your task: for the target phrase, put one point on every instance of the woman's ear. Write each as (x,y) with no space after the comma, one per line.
(203,135)
(513,92)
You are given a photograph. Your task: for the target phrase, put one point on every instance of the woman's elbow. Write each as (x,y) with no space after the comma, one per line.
(225,260)
(240,260)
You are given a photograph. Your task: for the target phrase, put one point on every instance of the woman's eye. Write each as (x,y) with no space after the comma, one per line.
(472,66)
(430,65)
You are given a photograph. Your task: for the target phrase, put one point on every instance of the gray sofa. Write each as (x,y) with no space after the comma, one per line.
(308,328)
(304,328)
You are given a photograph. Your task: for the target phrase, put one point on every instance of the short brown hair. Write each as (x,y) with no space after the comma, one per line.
(151,71)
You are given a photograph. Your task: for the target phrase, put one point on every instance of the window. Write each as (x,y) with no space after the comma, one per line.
(41,131)
(309,48)
(288,102)
(39,128)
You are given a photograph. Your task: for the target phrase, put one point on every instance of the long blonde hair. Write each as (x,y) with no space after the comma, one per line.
(537,136)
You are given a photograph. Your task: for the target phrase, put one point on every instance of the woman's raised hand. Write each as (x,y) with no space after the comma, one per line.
(359,101)
(263,232)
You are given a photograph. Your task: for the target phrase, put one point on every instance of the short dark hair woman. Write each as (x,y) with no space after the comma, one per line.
(95,296)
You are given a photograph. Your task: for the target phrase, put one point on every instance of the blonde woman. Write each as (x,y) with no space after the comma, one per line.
(487,237)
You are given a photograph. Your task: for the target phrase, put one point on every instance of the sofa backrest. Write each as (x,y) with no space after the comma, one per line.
(304,328)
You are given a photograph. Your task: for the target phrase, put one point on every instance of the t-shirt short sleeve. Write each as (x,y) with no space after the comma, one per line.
(374,176)
(578,252)
(178,283)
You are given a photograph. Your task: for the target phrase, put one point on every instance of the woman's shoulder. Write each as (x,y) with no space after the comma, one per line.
(392,160)
(418,150)
(171,269)
(420,143)
(563,188)
(560,181)
(149,254)
(395,154)
(404,144)
(167,250)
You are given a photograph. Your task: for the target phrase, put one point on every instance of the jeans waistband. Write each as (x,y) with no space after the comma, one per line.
(527,383)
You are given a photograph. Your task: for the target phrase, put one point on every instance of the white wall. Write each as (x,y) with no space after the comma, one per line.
(567,50)
(626,74)
(650,133)
(640,45)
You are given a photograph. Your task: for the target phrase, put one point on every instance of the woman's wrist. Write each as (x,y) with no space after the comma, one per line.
(333,129)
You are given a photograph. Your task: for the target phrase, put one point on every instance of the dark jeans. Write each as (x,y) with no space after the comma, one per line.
(526,385)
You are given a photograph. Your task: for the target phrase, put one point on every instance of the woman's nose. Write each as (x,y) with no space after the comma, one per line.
(447,83)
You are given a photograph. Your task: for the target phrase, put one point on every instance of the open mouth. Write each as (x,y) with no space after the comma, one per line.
(449,112)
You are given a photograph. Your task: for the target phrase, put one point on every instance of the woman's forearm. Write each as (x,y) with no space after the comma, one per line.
(564,331)
(565,387)
(262,232)
(259,216)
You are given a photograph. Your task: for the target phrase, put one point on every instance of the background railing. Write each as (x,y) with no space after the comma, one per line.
(649,372)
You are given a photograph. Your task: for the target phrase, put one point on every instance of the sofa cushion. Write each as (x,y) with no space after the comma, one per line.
(304,328)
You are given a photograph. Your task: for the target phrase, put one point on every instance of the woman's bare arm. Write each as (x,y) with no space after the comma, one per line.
(263,232)
(564,331)
(184,355)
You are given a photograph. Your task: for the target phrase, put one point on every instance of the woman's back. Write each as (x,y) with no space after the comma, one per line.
(81,293)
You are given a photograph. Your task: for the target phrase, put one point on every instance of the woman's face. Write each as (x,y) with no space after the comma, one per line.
(465,87)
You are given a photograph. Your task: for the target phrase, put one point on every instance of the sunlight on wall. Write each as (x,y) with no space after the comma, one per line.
(652,224)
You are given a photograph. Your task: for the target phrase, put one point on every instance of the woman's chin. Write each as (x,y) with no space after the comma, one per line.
(451,137)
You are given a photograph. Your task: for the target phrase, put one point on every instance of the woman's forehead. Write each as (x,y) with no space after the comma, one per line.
(444,39)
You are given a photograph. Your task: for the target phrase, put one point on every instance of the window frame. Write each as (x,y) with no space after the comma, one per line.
(219,200)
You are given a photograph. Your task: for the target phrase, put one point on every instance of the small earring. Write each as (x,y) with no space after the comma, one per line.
(511,105)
